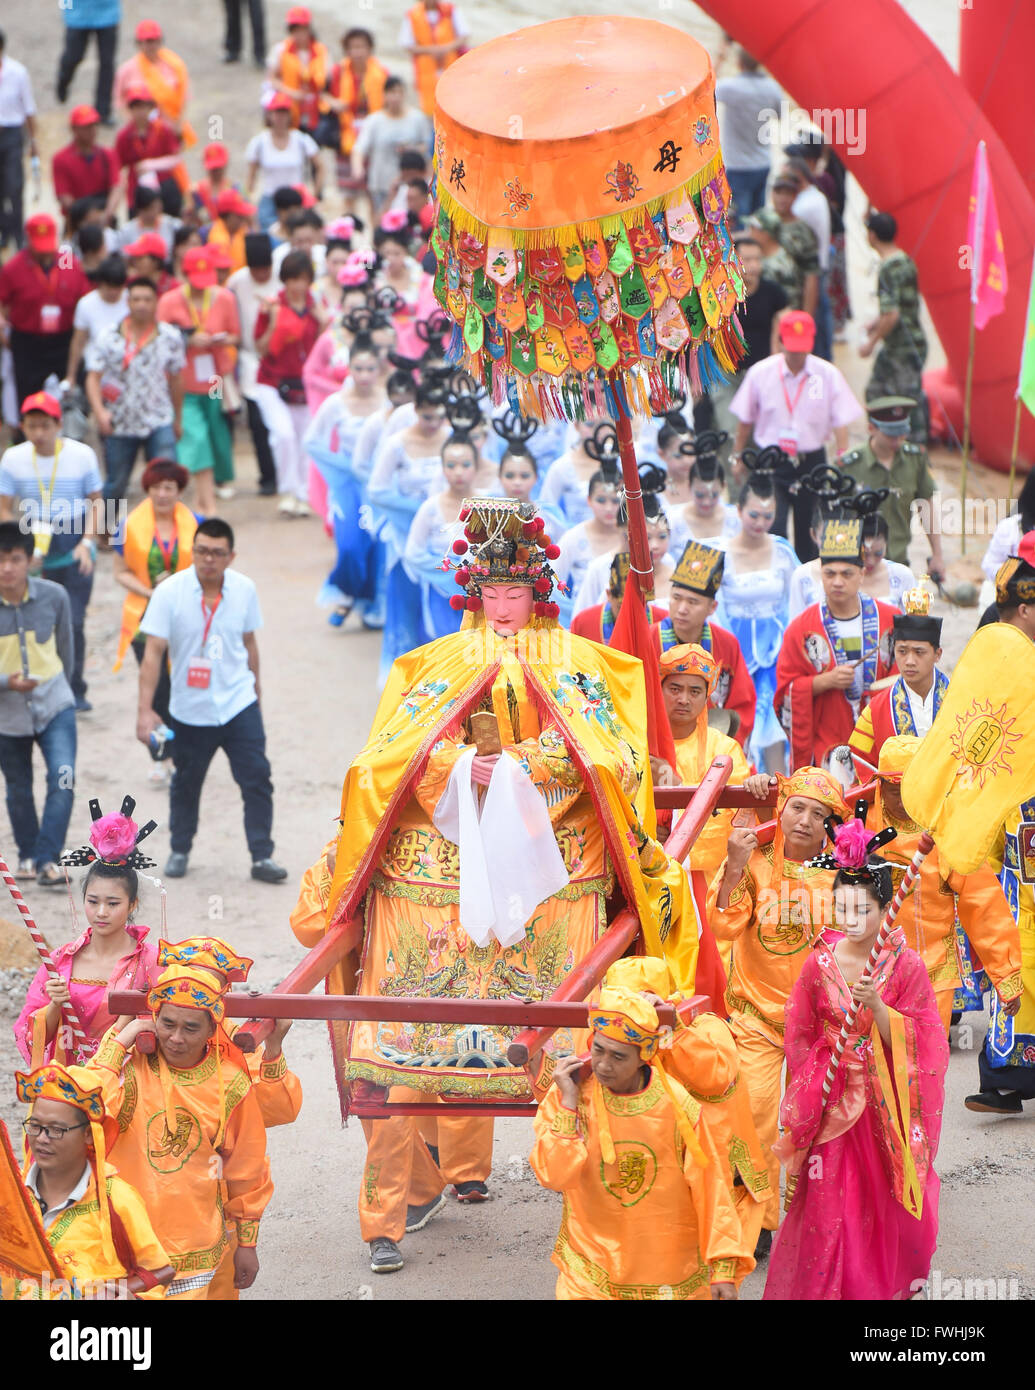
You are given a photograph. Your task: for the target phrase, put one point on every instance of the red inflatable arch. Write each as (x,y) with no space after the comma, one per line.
(922,127)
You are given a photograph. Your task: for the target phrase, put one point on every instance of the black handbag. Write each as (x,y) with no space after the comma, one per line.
(328,131)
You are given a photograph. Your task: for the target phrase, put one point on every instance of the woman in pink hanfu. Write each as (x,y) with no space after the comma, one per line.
(111,953)
(863,1220)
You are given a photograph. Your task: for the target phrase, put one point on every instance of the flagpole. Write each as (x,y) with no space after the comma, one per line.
(1013,450)
(966,434)
(639,551)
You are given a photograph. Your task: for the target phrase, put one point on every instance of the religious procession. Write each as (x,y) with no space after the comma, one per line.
(655,759)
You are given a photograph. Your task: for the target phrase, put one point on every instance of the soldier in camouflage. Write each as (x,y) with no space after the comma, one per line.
(899,364)
(777,263)
(890,460)
(798,240)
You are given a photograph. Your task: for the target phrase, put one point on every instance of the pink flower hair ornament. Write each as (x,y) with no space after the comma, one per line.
(853,845)
(394,220)
(341,229)
(353,275)
(113,839)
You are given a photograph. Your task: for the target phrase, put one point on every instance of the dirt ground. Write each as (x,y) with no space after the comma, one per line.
(318,698)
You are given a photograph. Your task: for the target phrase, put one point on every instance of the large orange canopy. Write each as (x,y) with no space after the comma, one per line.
(581,233)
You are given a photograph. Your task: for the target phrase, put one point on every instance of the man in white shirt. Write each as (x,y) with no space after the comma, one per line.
(909,704)
(250,285)
(97,312)
(205,618)
(748,102)
(17,116)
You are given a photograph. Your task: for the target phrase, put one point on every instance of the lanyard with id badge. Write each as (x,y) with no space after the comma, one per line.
(788,440)
(199,669)
(42,530)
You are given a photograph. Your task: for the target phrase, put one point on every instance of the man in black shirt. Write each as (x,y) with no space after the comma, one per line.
(763,306)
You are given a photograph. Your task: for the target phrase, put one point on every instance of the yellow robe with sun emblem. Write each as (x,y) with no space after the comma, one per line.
(654,1225)
(212,1172)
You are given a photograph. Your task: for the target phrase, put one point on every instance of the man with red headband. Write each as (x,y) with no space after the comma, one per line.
(647,1212)
(188,1115)
(771,904)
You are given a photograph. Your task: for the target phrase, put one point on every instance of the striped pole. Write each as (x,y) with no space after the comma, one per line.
(923,849)
(82,1043)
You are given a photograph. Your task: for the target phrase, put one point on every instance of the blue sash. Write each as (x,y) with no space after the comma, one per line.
(870,638)
(669,638)
(902,710)
(1001,1039)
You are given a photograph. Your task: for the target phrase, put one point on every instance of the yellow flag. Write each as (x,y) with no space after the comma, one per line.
(978,762)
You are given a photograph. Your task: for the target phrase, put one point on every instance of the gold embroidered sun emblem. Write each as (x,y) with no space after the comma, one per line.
(983,742)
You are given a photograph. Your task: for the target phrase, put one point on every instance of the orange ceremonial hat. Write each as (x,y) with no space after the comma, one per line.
(689,659)
(188,988)
(208,952)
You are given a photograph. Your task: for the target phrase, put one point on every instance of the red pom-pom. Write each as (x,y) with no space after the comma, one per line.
(539,609)
(459,547)
(551,610)
(465,512)
(540,523)
(462,576)
(458,601)
(552,552)
(529,530)
(473,604)
(543,584)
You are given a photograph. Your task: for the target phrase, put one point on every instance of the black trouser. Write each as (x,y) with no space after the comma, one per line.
(79,587)
(1019,1079)
(243,740)
(160,699)
(261,443)
(35,356)
(234,38)
(76,43)
(12,184)
(800,505)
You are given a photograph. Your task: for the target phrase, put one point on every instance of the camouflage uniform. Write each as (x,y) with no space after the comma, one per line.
(799,241)
(781,268)
(899,364)
(908,478)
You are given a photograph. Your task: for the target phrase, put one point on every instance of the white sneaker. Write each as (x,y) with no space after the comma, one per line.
(287,506)
(225,493)
(302,508)
(158,775)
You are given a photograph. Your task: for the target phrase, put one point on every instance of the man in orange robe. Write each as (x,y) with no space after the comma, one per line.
(647,1211)
(771,904)
(184,1113)
(702,1056)
(929,914)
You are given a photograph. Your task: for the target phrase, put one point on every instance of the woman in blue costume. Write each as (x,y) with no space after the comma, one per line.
(432,532)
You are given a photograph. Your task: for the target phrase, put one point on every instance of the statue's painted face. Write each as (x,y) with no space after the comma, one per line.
(507,607)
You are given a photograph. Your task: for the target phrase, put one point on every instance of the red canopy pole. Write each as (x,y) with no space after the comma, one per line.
(639,552)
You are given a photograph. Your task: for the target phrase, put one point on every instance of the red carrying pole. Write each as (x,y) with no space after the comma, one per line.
(624,929)
(640,563)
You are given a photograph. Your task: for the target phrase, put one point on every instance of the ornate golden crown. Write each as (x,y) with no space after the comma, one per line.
(504,542)
(916,603)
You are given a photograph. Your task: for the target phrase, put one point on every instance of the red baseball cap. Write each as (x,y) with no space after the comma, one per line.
(308,199)
(216,156)
(42,232)
(231,201)
(83,115)
(279,102)
(148,29)
(1026,547)
(42,401)
(150,244)
(200,268)
(298,15)
(139,96)
(798,331)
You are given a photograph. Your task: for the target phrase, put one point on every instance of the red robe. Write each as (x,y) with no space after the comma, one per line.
(817,723)
(734,689)
(886,715)
(590,622)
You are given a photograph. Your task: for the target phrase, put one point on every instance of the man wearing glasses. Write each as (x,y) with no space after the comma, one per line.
(65,1139)
(205,619)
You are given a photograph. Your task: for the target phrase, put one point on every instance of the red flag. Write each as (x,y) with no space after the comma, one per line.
(988,271)
(632,634)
